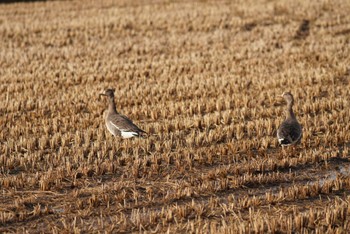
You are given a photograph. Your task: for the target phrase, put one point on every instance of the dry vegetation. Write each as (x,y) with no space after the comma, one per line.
(204,79)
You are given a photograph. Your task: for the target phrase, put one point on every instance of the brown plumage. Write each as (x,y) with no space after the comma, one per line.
(290,131)
(118,124)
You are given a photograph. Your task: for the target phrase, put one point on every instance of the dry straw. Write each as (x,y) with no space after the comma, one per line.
(203,79)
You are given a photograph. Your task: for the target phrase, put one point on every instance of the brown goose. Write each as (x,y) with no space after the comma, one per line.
(290,131)
(118,124)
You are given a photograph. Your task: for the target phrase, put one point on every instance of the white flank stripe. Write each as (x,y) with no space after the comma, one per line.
(129,134)
(114,125)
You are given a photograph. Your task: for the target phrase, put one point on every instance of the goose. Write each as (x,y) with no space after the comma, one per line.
(290,131)
(116,123)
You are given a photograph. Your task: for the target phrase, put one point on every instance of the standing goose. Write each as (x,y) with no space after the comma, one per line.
(289,132)
(118,124)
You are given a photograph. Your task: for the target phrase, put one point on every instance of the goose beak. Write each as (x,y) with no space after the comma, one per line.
(99,96)
(101,92)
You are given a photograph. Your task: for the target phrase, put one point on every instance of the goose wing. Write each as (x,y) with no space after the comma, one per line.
(289,132)
(123,124)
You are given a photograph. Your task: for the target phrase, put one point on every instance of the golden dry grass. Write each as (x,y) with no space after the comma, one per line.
(204,79)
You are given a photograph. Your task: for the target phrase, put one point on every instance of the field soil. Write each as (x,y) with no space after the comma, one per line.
(204,79)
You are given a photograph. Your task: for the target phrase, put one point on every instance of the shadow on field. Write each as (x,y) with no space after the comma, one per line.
(16,1)
(303,30)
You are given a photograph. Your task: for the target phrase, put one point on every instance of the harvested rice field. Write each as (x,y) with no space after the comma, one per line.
(204,79)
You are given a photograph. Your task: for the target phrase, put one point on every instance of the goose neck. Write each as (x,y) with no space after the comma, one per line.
(111,105)
(289,111)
